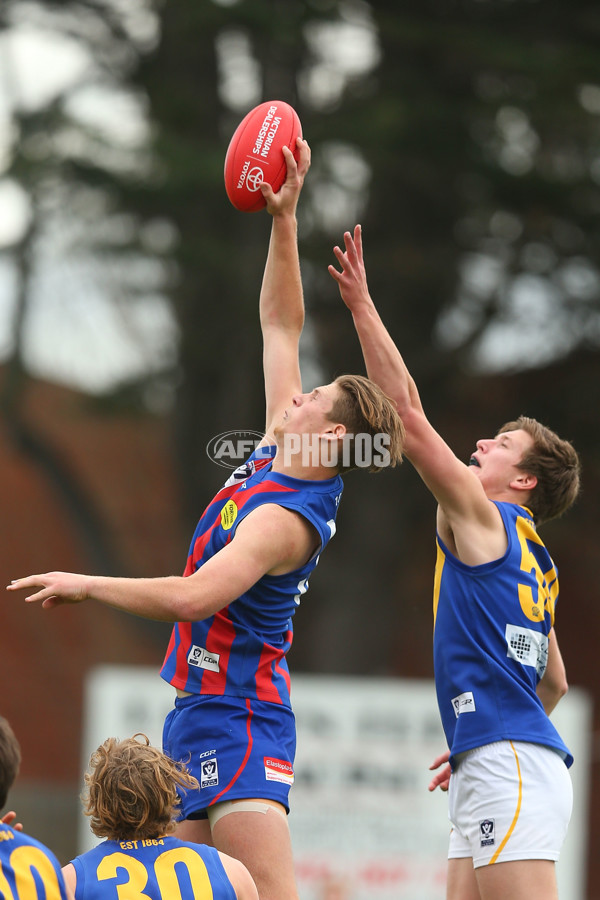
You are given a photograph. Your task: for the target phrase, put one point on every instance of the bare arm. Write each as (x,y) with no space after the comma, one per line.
(464,508)
(240,877)
(70,877)
(382,357)
(553,686)
(281,296)
(270,540)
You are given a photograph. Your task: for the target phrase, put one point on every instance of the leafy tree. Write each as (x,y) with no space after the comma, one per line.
(79,257)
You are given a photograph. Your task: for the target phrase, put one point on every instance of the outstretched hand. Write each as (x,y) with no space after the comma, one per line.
(442,778)
(286,198)
(52,588)
(352,280)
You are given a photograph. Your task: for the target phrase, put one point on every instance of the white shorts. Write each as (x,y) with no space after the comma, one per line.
(509,800)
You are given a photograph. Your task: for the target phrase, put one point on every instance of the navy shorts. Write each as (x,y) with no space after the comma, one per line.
(236,747)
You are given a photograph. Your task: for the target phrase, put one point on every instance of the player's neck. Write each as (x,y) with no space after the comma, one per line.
(293,467)
(509,495)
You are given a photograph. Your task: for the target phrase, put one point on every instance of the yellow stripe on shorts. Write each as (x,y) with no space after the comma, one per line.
(517,811)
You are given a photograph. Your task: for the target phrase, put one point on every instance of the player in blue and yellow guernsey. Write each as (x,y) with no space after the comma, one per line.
(498,669)
(28,869)
(132,802)
(249,562)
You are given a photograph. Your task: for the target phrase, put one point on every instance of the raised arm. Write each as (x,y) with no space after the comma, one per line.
(281,296)
(382,358)
(464,507)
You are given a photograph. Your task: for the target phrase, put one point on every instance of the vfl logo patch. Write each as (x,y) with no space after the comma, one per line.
(486,833)
(278,770)
(209,771)
(201,658)
(464,703)
(528,647)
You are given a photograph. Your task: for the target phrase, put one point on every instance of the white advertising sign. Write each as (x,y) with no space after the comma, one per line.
(363,824)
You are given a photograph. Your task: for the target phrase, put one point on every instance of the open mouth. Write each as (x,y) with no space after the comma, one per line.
(474,462)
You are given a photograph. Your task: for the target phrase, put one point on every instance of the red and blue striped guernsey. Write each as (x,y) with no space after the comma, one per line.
(241,650)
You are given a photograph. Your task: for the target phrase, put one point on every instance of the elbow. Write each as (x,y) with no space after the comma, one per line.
(189,611)
(185,601)
(557,690)
(559,683)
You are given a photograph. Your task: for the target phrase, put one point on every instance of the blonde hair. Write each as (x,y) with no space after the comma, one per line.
(131,790)
(365,409)
(555,464)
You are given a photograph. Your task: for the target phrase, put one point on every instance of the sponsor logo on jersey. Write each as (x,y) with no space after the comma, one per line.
(201,658)
(486,833)
(209,770)
(278,770)
(528,647)
(228,515)
(464,703)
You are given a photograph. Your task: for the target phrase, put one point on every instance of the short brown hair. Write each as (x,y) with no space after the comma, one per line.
(10,759)
(131,790)
(365,409)
(555,464)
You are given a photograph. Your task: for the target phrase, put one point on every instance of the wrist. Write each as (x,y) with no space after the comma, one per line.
(284,215)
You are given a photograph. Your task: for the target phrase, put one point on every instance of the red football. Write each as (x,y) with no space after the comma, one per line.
(255,153)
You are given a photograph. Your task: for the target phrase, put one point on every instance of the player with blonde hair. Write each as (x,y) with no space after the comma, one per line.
(132,800)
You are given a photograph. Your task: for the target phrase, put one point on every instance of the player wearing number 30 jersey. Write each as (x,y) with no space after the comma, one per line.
(132,802)
(163,868)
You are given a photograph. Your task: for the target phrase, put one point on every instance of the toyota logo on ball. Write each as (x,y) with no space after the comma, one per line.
(254,178)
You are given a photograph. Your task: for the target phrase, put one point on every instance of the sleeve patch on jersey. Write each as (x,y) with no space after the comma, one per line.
(464,703)
(528,647)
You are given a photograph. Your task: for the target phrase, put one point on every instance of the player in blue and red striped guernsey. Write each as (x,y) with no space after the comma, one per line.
(249,563)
